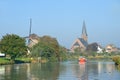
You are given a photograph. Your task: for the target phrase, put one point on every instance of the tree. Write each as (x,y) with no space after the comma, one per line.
(47,47)
(63,53)
(13,45)
(53,43)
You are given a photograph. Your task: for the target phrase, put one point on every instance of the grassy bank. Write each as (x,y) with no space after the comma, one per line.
(4,61)
(116,59)
(31,60)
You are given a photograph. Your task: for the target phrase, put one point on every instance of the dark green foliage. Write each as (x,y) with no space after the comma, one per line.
(13,45)
(63,53)
(47,47)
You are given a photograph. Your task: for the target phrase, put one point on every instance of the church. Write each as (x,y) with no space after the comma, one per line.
(81,43)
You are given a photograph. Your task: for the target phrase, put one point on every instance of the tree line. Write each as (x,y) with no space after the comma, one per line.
(47,47)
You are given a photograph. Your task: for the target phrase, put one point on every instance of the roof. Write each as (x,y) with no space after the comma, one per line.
(76,44)
(83,42)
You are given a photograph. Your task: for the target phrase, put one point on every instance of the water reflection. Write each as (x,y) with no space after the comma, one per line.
(73,71)
(102,71)
(70,70)
(48,71)
(80,71)
(83,72)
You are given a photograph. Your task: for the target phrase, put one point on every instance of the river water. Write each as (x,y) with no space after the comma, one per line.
(69,70)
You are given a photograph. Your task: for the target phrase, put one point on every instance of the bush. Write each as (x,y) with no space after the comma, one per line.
(116,59)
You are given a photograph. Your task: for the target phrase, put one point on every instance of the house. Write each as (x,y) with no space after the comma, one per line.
(99,49)
(95,47)
(111,48)
(81,43)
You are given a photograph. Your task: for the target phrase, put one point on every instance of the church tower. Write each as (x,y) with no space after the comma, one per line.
(84,32)
(81,43)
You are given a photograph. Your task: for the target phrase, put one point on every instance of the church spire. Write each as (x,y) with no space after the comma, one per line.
(84,32)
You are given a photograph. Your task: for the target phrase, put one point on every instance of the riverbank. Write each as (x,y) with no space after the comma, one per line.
(116,59)
(5,61)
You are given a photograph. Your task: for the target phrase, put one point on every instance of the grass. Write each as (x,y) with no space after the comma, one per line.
(4,61)
(23,60)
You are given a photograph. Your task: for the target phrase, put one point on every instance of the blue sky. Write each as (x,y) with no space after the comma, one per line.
(63,19)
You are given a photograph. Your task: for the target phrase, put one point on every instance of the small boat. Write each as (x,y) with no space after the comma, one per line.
(82,60)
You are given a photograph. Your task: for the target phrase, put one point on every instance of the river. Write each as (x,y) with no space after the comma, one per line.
(69,70)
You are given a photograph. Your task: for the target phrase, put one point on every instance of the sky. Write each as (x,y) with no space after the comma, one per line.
(63,19)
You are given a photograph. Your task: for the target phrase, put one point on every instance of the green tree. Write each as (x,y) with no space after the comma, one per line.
(63,53)
(47,47)
(13,45)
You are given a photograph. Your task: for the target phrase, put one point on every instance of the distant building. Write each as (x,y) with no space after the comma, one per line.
(81,43)
(33,39)
(95,47)
(111,48)
(92,47)
(99,49)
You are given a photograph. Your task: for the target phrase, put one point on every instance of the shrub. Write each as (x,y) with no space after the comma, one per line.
(116,59)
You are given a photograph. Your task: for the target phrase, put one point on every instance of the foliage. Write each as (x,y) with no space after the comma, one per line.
(13,46)
(53,44)
(116,59)
(91,55)
(63,53)
(77,51)
(47,47)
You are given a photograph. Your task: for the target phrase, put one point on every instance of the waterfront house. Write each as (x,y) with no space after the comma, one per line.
(110,48)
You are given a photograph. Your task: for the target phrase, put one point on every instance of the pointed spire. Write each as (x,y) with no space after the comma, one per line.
(84,31)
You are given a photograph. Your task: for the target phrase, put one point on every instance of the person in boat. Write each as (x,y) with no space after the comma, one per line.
(82,59)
